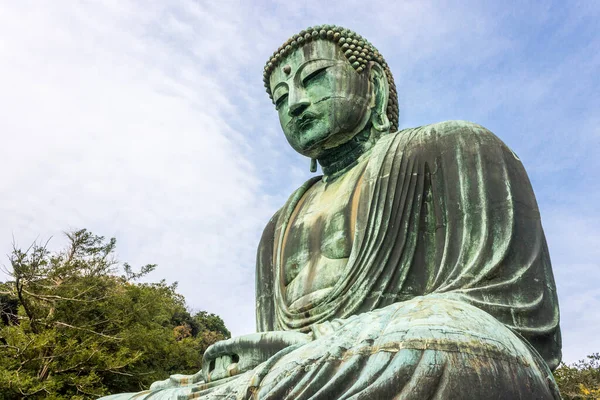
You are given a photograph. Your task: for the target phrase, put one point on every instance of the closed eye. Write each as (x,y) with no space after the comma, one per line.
(280,101)
(314,76)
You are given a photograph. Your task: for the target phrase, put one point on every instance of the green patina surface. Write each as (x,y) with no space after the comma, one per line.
(416,267)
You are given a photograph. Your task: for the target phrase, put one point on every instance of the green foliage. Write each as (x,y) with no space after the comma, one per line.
(71,328)
(210,322)
(580,380)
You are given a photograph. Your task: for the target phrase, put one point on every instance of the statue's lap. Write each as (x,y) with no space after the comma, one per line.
(422,348)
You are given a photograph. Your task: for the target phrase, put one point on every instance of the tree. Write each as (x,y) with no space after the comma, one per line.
(72,328)
(580,380)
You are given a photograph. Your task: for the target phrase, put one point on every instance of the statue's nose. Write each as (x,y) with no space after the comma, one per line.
(298,108)
(298,102)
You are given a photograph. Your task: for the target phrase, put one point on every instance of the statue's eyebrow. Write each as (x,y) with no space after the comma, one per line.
(327,61)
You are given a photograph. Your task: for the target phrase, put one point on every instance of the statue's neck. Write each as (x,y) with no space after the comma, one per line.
(343,157)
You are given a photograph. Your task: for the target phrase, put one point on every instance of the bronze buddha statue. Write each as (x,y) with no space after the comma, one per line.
(416,267)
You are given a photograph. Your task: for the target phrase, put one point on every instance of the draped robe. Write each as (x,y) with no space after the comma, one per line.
(446,212)
(448,292)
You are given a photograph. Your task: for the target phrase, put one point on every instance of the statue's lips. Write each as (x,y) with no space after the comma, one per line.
(300,125)
(304,121)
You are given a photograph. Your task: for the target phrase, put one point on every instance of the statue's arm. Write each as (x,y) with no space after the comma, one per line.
(265,306)
(483,241)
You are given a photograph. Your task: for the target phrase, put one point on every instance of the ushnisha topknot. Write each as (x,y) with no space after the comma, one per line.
(358,52)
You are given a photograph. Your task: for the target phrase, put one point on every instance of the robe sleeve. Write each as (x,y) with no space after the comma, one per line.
(466,227)
(265,308)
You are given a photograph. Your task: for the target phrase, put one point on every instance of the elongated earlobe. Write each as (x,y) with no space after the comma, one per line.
(380,122)
(379,119)
(313,165)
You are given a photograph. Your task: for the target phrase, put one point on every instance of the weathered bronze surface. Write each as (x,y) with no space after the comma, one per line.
(416,267)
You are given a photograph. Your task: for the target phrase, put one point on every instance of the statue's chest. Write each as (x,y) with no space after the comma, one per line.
(319,239)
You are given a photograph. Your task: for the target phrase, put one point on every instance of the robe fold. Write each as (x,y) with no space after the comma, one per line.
(445,211)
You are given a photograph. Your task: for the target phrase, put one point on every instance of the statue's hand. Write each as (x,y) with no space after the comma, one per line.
(234,356)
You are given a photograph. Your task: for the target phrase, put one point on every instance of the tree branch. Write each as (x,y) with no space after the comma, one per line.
(87,330)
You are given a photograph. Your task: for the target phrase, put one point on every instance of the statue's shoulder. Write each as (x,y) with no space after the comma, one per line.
(442,134)
(457,127)
(445,129)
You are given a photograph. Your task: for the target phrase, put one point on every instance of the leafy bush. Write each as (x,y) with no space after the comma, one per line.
(580,380)
(70,327)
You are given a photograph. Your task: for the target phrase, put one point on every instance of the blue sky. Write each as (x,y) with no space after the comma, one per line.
(148,121)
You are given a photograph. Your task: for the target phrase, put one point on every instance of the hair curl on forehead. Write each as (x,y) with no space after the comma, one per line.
(358,51)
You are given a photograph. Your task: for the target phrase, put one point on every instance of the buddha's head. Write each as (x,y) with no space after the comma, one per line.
(328,85)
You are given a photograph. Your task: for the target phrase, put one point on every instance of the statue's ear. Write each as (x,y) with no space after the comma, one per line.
(381,92)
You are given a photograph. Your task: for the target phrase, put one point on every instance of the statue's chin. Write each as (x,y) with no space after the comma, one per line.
(310,149)
(324,145)
(318,139)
